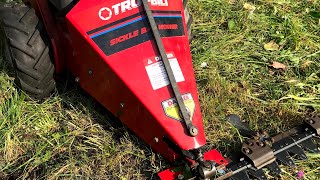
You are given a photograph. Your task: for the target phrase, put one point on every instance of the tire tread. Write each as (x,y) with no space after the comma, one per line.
(28,51)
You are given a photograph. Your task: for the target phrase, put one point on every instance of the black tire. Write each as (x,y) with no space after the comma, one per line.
(27,51)
(189,19)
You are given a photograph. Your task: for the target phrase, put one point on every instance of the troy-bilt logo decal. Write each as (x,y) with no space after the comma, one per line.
(171,108)
(106,13)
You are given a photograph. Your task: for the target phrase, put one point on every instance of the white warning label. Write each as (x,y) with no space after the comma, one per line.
(157,73)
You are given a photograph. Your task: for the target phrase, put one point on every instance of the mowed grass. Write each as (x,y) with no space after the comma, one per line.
(70,136)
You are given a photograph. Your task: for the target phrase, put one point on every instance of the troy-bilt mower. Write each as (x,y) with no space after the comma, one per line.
(134,58)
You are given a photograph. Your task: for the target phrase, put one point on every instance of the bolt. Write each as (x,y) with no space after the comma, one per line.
(207,164)
(77,79)
(90,72)
(261,144)
(193,131)
(180,177)
(246,150)
(221,171)
(156,140)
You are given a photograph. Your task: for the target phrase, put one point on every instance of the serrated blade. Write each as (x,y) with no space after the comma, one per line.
(285,146)
(310,146)
(241,176)
(258,174)
(274,168)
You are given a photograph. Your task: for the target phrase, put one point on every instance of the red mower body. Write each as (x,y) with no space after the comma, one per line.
(108,46)
(133,57)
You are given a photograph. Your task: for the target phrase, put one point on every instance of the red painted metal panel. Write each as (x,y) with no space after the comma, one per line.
(214,155)
(121,79)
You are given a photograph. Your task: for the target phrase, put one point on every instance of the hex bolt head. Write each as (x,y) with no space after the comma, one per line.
(261,144)
(246,150)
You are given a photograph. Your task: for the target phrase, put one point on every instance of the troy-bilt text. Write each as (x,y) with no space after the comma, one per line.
(106,13)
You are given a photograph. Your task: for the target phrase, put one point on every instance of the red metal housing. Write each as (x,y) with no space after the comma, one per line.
(108,46)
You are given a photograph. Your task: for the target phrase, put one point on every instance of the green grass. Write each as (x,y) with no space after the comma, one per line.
(70,136)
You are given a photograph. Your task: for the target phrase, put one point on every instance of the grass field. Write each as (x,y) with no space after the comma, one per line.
(262,62)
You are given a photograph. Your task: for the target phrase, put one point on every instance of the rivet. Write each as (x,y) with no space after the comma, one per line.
(122,105)
(156,140)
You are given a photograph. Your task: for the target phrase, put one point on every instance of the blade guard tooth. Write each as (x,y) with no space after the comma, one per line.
(285,159)
(255,173)
(274,168)
(298,153)
(243,175)
(259,174)
(317,139)
(310,146)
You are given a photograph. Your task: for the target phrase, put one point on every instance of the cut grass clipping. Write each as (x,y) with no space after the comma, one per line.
(258,59)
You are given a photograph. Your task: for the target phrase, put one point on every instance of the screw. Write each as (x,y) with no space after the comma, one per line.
(77,79)
(90,72)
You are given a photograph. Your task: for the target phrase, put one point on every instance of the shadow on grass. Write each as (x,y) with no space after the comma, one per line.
(73,97)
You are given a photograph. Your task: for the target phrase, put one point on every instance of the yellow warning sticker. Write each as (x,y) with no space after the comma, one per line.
(171,108)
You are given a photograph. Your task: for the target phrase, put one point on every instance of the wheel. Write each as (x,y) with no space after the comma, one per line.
(188,18)
(27,51)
